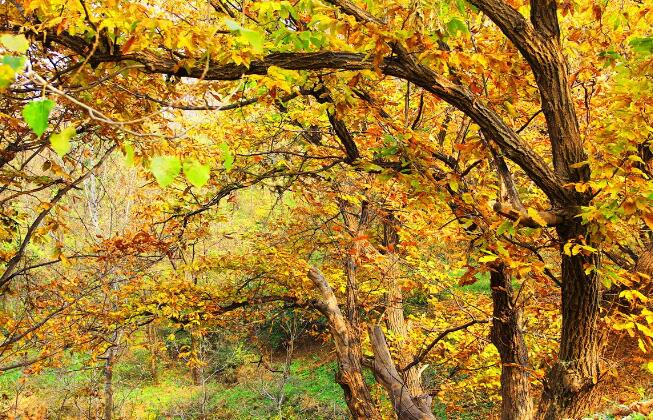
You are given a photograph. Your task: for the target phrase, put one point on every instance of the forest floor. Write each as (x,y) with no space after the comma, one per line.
(250,392)
(253,391)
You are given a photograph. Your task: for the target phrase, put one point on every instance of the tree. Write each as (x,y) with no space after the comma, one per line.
(234,51)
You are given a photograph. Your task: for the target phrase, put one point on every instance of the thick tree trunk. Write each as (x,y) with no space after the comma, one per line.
(506,335)
(348,351)
(569,388)
(397,324)
(405,405)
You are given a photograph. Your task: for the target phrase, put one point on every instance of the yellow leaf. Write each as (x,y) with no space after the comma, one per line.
(488,258)
(535,215)
(648,219)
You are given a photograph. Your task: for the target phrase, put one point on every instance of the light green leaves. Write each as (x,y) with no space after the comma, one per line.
(15,43)
(165,169)
(642,45)
(196,173)
(60,142)
(36,115)
(8,69)
(16,63)
(253,38)
(129,154)
(227,157)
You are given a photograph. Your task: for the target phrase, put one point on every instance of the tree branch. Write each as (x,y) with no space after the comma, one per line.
(422,354)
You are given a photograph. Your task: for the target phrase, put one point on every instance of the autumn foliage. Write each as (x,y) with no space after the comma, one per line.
(452,200)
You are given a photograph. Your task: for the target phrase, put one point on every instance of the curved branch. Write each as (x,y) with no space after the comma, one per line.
(401,65)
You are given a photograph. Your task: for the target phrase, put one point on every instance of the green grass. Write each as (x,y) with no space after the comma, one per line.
(318,382)
(8,380)
(482,284)
(309,387)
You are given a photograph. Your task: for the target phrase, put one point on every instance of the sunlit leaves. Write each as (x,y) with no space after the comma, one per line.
(15,43)
(488,258)
(16,63)
(642,45)
(10,66)
(535,215)
(36,115)
(129,154)
(7,75)
(196,173)
(251,37)
(227,156)
(60,142)
(165,169)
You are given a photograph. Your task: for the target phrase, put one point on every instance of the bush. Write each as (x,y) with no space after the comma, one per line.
(134,367)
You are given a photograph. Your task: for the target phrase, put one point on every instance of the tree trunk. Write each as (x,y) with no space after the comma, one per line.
(645,266)
(350,370)
(406,407)
(569,389)
(506,335)
(395,319)
(152,344)
(195,371)
(108,384)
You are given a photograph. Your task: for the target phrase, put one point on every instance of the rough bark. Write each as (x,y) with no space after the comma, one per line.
(568,390)
(348,352)
(645,262)
(506,335)
(395,319)
(405,406)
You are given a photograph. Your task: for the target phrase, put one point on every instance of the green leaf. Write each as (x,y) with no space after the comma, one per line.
(456,25)
(196,173)
(232,25)
(506,226)
(227,157)
(165,169)
(60,142)
(16,63)
(642,45)
(36,115)
(16,43)
(254,39)
(129,154)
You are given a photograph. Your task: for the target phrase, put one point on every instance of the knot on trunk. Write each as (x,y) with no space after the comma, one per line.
(572,380)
